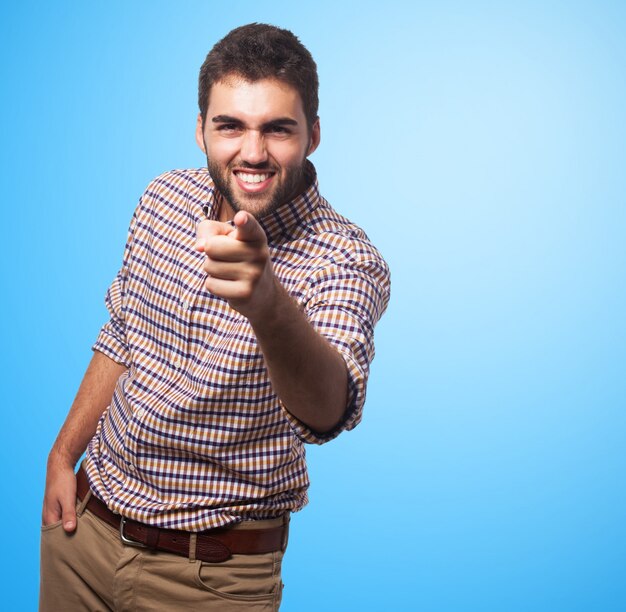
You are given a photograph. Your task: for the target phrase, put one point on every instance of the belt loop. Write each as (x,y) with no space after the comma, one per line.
(80,508)
(193,537)
(286,519)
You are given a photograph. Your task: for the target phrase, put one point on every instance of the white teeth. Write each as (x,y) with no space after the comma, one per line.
(252,178)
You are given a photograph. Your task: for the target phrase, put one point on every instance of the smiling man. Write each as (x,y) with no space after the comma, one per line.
(241,328)
(256,158)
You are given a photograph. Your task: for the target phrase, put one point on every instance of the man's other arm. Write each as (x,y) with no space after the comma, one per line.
(92,399)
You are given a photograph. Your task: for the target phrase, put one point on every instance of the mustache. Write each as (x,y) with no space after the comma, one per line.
(248,166)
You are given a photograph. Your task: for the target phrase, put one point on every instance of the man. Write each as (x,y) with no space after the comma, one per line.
(241,327)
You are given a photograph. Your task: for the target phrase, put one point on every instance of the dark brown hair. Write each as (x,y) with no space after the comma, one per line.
(261,51)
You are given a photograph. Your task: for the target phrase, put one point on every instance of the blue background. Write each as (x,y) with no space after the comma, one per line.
(482,146)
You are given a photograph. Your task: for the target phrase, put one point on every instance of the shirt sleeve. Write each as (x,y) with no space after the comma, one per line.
(343,305)
(112,337)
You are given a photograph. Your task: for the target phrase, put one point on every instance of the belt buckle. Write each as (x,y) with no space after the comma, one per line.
(125,540)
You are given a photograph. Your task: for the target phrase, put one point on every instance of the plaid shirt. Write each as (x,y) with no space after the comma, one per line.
(195,436)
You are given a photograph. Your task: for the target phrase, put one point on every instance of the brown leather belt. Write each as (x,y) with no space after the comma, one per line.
(214,545)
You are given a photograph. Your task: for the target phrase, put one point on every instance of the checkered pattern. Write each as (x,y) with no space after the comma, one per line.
(195,436)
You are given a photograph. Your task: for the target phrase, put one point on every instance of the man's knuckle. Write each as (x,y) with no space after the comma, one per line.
(209,247)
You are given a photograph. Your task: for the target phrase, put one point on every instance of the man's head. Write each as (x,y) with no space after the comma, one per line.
(259,51)
(254,125)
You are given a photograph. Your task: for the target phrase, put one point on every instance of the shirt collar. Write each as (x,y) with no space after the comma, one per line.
(286,217)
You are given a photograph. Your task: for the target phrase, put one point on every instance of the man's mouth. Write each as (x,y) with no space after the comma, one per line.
(253,181)
(246,177)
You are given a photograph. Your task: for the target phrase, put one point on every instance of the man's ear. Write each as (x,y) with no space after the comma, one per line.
(315,137)
(200,133)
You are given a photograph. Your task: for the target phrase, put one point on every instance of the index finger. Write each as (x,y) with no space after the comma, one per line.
(247,228)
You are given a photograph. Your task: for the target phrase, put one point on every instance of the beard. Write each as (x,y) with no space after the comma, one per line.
(289,181)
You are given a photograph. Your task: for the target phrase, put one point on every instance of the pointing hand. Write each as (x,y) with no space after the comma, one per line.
(238,264)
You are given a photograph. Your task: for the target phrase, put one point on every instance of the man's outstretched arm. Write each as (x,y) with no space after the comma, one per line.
(92,399)
(308,374)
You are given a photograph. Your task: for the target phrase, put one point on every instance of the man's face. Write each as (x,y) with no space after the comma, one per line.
(256,141)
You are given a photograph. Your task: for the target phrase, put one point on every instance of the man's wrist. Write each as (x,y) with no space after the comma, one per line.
(61,457)
(269,314)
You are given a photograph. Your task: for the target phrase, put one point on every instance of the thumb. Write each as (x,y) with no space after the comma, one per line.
(67,501)
(247,228)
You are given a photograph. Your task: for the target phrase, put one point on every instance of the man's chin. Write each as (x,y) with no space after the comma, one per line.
(258,205)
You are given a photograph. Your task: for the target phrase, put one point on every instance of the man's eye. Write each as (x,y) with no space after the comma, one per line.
(279,130)
(228,127)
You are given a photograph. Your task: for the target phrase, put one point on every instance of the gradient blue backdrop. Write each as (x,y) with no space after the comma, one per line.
(482,146)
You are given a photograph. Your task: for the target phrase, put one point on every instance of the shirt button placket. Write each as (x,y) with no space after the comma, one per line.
(130,446)
(184,307)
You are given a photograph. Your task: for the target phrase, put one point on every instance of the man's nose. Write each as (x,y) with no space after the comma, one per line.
(253,147)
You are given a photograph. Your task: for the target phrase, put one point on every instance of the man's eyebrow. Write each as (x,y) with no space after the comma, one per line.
(280,121)
(225,119)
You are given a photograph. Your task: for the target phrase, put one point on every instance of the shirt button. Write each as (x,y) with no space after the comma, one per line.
(131,468)
(176,362)
(185,305)
(140,412)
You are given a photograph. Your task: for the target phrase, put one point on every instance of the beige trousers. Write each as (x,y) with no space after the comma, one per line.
(91,570)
